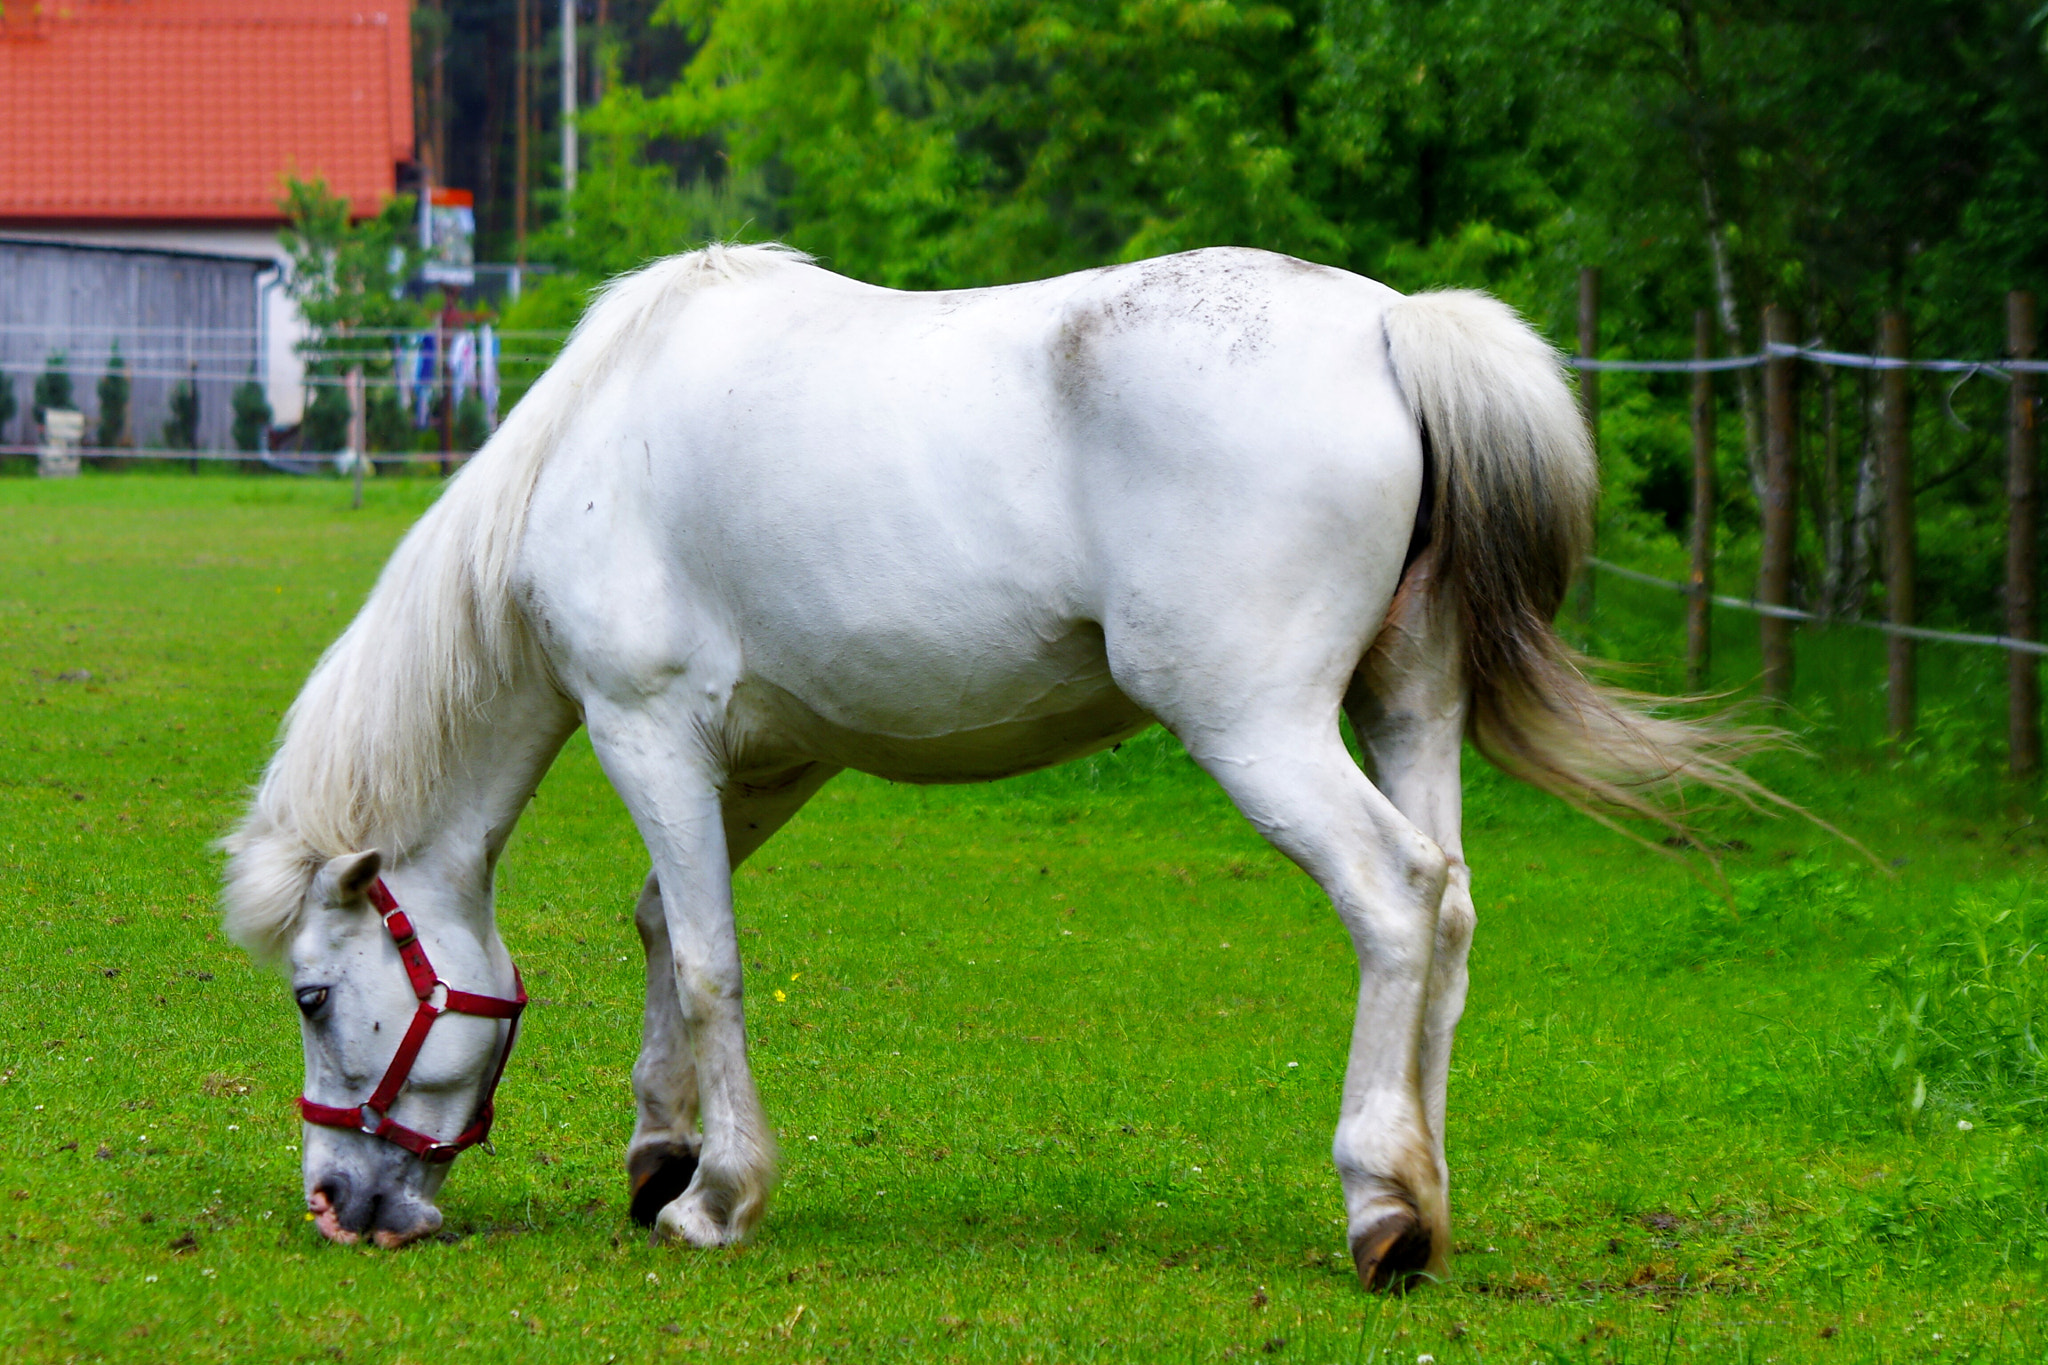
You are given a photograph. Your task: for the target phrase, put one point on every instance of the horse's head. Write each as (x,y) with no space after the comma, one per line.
(406,1024)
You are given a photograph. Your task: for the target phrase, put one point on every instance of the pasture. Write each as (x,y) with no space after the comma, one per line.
(1053,1063)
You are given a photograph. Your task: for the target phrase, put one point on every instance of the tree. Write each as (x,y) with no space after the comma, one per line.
(7,403)
(181,430)
(251,408)
(348,278)
(113,394)
(53,386)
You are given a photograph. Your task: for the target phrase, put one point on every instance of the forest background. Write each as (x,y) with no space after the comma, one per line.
(1836,157)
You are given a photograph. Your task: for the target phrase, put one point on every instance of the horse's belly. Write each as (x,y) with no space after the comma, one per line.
(946,725)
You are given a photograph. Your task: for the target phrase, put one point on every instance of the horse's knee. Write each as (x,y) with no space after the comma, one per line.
(648,915)
(1456,920)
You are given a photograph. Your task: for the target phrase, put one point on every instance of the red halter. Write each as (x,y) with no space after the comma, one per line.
(373,1115)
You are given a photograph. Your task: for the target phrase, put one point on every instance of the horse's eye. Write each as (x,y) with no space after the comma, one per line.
(311,998)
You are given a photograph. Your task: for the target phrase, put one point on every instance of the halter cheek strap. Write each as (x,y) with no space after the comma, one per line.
(373,1116)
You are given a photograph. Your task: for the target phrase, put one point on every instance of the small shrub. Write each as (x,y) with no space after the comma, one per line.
(1965,1016)
(53,385)
(181,432)
(326,423)
(7,403)
(472,427)
(388,421)
(252,416)
(112,429)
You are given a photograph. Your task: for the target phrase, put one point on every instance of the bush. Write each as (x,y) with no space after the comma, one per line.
(181,432)
(389,421)
(7,408)
(113,394)
(472,427)
(53,386)
(326,424)
(252,416)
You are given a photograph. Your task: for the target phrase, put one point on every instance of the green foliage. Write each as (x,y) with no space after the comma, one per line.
(347,277)
(181,429)
(1965,1020)
(7,403)
(113,395)
(472,425)
(252,415)
(53,385)
(387,422)
(324,427)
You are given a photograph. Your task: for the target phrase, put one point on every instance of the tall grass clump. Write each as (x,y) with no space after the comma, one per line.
(1965,1015)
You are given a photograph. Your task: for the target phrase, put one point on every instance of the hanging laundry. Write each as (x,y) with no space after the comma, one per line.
(487,350)
(423,378)
(462,364)
(405,360)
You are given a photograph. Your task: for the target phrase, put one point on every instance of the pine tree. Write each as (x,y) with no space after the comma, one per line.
(181,432)
(252,415)
(113,393)
(53,386)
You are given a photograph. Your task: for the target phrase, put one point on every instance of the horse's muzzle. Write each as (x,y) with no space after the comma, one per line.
(347,1208)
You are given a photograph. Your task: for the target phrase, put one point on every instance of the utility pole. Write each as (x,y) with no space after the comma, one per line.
(568,106)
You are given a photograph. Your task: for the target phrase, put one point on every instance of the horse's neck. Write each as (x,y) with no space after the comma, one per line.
(496,769)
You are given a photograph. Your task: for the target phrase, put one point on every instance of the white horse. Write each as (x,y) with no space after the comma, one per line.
(760,523)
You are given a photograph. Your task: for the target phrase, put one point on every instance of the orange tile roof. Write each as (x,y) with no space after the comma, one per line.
(196,110)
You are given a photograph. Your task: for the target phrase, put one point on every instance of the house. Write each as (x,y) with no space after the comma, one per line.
(144,147)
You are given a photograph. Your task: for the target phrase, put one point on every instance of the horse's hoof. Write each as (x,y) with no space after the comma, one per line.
(1392,1252)
(659,1174)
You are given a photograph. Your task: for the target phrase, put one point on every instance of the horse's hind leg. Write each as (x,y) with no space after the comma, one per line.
(1408,705)
(661,1159)
(1275,747)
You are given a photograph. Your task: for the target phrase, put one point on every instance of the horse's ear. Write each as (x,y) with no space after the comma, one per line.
(352,873)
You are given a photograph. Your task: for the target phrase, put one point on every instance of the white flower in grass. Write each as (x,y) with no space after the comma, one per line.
(1292,1065)
(653,1278)
(1425,1359)
(149,1279)
(1964,1125)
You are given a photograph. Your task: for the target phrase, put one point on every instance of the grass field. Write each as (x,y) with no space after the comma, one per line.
(1054,1062)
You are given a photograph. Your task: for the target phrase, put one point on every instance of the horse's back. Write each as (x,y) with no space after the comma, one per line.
(914,526)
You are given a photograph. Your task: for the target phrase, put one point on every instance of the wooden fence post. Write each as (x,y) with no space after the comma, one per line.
(1895,438)
(2022,575)
(1781,506)
(1589,398)
(1699,608)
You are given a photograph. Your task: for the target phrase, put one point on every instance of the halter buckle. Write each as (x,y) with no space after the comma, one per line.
(372,1120)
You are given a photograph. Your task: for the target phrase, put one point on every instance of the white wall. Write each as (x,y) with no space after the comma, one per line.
(281,324)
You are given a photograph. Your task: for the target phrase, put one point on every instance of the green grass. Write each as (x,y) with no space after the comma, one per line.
(1054,1062)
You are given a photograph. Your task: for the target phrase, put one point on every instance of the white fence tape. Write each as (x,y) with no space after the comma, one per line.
(2006,642)
(1997,369)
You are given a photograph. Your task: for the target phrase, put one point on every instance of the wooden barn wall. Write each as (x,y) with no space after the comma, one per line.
(174,315)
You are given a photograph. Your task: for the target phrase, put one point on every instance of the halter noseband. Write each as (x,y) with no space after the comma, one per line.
(436,998)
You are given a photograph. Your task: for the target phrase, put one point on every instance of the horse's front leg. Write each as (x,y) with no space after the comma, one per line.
(661,1159)
(672,789)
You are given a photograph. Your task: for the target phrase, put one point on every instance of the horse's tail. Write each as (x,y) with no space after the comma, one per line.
(1511,512)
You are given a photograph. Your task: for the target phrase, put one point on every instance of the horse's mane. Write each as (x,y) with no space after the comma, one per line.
(365,747)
